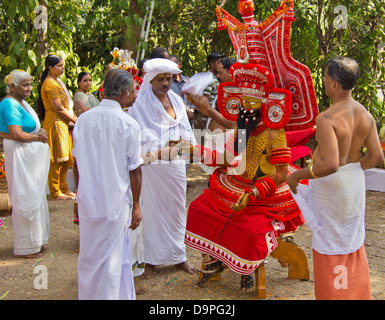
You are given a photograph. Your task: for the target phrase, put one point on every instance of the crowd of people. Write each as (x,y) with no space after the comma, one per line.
(130,178)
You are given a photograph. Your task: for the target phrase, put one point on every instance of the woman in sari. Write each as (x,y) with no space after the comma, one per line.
(55,109)
(26,164)
(83,99)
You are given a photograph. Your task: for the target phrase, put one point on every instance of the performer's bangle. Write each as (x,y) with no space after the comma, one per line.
(255,191)
(312,173)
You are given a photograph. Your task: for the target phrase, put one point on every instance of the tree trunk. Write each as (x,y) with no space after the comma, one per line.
(130,44)
(42,27)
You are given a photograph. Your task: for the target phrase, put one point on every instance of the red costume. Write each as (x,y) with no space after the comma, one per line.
(270,93)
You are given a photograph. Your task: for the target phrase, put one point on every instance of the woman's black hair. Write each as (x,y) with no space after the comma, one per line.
(50,61)
(83,74)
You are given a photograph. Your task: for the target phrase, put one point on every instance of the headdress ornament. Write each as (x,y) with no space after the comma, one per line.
(121,59)
(289,92)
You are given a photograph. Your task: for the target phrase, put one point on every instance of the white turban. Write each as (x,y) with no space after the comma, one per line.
(153,67)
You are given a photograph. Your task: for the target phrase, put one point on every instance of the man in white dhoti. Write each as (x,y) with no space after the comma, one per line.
(26,164)
(162,116)
(107,151)
(334,205)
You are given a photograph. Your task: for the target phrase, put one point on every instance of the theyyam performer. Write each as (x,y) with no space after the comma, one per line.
(242,217)
(162,117)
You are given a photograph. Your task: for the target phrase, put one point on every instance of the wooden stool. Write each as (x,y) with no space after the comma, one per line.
(290,256)
(260,281)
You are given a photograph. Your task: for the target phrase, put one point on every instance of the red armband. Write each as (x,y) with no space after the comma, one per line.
(266,187)
(280,156)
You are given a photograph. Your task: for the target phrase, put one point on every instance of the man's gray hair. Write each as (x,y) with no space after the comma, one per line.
(116,81)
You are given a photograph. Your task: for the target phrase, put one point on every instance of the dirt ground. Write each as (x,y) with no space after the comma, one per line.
(170,283)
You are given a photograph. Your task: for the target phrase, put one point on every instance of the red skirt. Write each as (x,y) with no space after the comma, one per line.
(245,242)
(251,234)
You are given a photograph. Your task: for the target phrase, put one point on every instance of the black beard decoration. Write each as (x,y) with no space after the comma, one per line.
(248,119)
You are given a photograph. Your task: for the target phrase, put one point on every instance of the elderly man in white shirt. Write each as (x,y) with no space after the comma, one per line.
(161,114)
(107,150)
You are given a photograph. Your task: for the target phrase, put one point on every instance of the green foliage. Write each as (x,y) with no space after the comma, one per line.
(319,35)
(84,32)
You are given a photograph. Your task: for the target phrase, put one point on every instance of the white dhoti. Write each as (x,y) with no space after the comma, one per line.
(164,212)
(104,264)
(334,209)
(137,250)
(26,166)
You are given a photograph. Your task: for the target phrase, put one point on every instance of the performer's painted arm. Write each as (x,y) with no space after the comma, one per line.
(280,156)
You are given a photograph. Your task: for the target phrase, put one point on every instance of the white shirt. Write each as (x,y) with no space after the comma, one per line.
(106,147)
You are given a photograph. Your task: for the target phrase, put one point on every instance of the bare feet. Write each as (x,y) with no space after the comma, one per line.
(149,270)
(63,196)
(33,255)
(70,194)
(140,290)
(186,267)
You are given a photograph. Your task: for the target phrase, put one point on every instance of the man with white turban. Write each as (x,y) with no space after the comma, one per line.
(162,116)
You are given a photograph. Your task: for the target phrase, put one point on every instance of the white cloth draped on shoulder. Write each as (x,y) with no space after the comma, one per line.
(157,126)
(26,166)
(334,209)
(198,82)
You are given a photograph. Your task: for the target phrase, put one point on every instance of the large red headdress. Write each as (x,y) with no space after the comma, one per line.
(266,69)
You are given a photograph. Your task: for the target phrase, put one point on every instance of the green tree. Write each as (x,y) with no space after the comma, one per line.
(85,31)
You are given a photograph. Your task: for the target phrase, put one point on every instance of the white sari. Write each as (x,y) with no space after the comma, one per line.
(26,166)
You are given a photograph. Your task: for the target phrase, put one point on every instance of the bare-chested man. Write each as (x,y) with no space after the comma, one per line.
(334,204)
(161,114)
